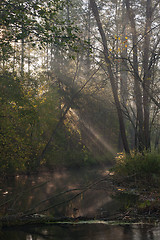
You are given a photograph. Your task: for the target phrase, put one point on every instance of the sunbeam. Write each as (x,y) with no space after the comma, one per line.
(92,132)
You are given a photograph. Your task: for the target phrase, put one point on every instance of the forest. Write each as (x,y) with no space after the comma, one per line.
(79,86)
(79,81)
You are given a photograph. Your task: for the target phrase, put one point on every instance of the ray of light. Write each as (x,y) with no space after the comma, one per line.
(97,136)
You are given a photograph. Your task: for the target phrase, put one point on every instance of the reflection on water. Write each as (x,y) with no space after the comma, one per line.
(95,202)
(85,232)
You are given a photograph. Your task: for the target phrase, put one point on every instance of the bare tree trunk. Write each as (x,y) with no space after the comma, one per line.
(137,89)
(22,57)
(89,37)
(123,66)
(147,72)
(52,57)
(29,60)
(48,60)
(14,56)
(111,76)
(3,59)
(117,44)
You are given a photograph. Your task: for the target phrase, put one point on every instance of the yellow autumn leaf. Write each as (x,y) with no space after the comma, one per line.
(125,45)
(81,196)
(126,37)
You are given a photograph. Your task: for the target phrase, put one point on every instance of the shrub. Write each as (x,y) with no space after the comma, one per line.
(145,167)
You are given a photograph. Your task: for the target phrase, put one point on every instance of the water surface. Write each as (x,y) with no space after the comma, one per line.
(84,232)
(96,202)
(58,185)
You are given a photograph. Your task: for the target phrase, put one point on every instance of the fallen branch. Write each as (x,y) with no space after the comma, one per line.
(71,198)
(32,217)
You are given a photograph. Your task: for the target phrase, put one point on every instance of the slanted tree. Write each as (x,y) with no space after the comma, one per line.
(111,75)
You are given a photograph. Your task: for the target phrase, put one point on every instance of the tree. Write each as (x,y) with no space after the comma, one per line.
(33,22)
(133,55)
(143,96)
(111,76)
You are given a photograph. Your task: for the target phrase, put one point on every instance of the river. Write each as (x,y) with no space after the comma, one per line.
(49,188)
(83,232)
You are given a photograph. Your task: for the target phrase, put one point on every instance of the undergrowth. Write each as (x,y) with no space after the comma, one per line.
(144,167)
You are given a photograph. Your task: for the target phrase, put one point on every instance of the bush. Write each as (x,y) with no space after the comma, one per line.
(145,167)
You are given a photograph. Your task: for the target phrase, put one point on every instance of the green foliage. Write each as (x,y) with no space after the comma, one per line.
(36,20)
(67,150)
(10,89)
(144,204)
(29,111)
(17,115)
(144,167)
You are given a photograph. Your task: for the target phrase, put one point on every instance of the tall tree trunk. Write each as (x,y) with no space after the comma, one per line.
(137,89)
(89,38)
(29,60)
(123,65)
(48,60)
(147,72)
(52,57)
(111,76)
(14,56)
(3,58)
(22,57)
